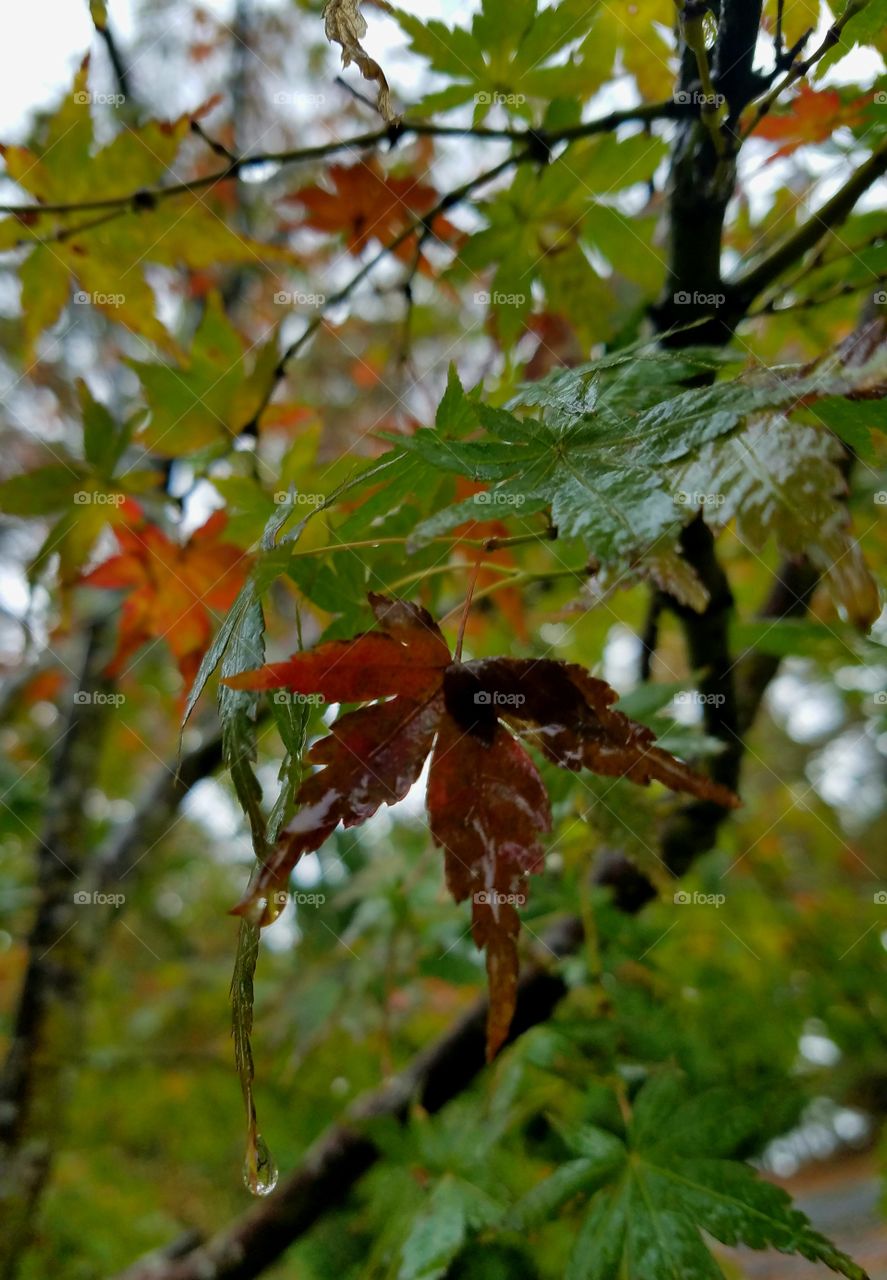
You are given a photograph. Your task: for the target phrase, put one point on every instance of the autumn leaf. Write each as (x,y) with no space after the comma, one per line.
(367,204)
(174,591)
(210,400)
(487,802)
(105,255)
(812,116)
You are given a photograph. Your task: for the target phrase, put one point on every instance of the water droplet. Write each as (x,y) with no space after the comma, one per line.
(259,1170)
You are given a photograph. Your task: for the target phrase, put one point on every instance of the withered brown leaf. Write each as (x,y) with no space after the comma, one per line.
(487,803)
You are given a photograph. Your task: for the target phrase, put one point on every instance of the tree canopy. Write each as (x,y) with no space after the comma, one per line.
(442,600)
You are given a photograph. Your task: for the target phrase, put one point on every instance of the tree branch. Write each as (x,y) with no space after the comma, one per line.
(148,197)
(744,289)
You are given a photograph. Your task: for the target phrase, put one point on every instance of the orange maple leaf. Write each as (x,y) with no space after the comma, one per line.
(174,590)
(812,117)
(368,204)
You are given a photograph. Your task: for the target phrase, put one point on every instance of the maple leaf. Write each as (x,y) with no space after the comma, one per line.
(368,204)
(813,116)
(106,253)
(173,590)
(213,397)
(486,800)
(671,1174)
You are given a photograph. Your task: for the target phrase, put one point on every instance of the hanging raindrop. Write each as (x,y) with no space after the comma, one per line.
(259,1170)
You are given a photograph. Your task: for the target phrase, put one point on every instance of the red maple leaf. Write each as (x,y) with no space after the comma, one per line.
(367,204)
(173,590)
(813,116)
(487,803)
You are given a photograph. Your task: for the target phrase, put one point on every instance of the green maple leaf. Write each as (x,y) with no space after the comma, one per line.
(508,51)
(781,479)
(622,460)
(539,228)
(669,1176)
(213,397)
(104,251)
(82,495)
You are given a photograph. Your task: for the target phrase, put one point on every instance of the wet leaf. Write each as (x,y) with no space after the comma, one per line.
(487,802)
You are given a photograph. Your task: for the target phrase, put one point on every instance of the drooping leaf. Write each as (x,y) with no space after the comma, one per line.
(487,803)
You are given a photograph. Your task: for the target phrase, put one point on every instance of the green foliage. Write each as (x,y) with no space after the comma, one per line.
(185,327)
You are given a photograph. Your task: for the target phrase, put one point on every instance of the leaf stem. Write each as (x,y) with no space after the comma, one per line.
(466,609)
